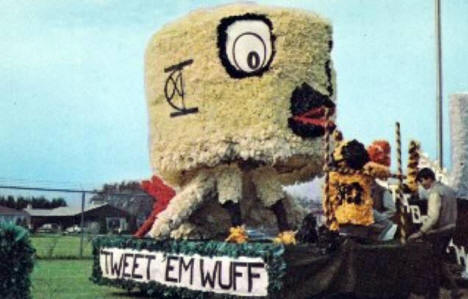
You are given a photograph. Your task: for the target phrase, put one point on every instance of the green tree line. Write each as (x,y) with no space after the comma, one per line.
(41,202)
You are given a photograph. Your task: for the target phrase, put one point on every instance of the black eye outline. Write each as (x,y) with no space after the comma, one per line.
(222,39)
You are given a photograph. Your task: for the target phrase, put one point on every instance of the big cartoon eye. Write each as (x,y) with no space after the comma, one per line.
(246,45)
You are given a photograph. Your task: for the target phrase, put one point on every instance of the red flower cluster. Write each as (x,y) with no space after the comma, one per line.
(162,194)
(379,152)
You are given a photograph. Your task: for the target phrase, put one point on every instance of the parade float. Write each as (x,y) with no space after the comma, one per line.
(241,101)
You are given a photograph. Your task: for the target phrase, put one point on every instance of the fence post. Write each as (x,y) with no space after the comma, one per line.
(83,195)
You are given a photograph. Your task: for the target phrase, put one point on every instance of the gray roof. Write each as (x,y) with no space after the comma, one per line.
(9,211)
(62,211)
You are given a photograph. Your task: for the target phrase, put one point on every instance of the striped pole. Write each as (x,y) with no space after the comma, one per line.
(399,202)
(412,168)
(350,171)
(327,205)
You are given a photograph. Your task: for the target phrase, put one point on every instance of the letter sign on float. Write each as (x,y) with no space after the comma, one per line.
(241,276)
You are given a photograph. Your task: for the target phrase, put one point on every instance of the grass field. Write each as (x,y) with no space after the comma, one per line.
(59,246)
(70,279)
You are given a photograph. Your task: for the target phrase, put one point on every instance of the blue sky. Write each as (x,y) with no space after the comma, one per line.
(72,103)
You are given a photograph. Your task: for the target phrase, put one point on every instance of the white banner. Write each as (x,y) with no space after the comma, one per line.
(242,276)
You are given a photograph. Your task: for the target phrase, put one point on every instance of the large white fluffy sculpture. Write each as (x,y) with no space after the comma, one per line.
(237,98)
(459,141)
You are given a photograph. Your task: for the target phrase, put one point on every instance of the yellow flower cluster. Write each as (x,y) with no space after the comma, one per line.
(237,235)
(286,238)
(412,168)
(351,198)
(349,190)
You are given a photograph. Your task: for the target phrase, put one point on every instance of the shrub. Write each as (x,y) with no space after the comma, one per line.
(16,261)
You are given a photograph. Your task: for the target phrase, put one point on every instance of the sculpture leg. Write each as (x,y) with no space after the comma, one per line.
(183,205)
(270,192)
(281,216)
(233,208)
(229,185)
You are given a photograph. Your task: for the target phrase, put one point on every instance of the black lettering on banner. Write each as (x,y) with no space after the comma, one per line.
(115,268)
(211,274)
(185,267)
(253,275)
(106,255)
(148,267)
(220,277)
(236,274)
(169,268)
(135,266)
(207,276)
(126,264)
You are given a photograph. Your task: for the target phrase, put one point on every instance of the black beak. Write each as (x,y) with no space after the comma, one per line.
(308,109)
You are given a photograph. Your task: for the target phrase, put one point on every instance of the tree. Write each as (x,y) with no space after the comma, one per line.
(21,203)
(10,202)
(58,202)
(127,196)
(37,202)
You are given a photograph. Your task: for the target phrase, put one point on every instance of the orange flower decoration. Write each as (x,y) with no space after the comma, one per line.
(379,152)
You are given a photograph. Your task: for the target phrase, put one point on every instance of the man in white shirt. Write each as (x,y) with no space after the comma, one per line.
(440,223)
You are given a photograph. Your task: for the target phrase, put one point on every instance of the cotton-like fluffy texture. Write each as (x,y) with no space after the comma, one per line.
(184,230)
(238,119)
(459,143)
(350,212)
(229,183)
(211,220)
(193,212)
(269,189)
(239,146)
(183,205)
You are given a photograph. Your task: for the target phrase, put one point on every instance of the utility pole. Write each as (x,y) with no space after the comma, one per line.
(440,156)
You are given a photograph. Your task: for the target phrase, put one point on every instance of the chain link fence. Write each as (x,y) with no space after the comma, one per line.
(67,232)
